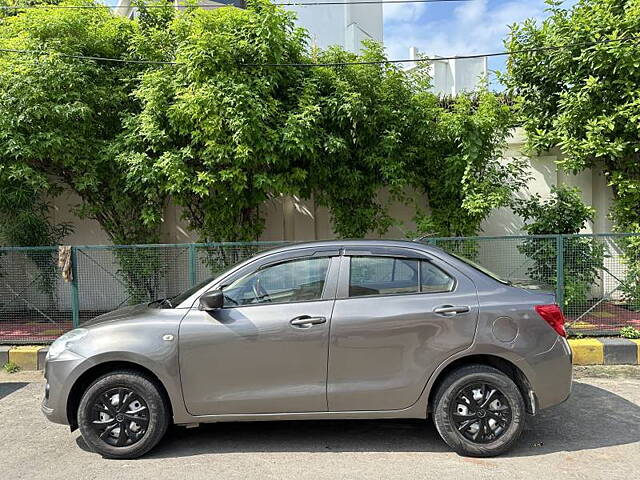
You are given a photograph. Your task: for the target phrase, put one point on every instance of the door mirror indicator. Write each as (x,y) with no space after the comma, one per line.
(212,300)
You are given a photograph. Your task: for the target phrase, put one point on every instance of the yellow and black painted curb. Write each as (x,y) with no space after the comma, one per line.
(605,351)
(25,356)
(586,351)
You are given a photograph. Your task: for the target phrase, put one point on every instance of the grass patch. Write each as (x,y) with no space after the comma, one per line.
(629,332)
(11,367)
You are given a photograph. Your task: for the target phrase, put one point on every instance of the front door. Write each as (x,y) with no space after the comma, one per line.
(266,350)
(395,319)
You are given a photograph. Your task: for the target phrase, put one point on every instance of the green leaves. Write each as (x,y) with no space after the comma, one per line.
(584,99)
(209,131)
(62,117)
(563,212)
(356,138)
(221,138)
(461,169)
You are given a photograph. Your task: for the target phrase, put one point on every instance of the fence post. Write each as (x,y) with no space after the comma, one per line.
(75,299)
(560,271)
(193,265)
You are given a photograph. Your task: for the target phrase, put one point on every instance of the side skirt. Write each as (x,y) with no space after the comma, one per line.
(411,412)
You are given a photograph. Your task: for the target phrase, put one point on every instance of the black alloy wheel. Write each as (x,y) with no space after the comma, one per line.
(123,414)
(480,412)
(120,416)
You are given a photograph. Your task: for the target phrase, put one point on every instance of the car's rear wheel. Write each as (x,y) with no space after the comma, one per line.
(479,411)
(122,415)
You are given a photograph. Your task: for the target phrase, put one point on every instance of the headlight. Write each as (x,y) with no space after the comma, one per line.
(65,341)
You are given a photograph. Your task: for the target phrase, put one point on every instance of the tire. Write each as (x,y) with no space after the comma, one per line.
(464,406)
(123,430)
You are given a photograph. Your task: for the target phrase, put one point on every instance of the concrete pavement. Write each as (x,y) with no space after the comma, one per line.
(594,435)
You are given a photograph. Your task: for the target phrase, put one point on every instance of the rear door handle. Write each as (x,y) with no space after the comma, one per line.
(450,310)
(305,321)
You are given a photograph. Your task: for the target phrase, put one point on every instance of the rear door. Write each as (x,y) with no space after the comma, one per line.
(398,314)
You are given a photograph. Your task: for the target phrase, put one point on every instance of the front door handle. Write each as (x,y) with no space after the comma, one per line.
(451,310)
(305,321)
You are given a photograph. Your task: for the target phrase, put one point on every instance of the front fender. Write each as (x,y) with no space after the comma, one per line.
(150,344)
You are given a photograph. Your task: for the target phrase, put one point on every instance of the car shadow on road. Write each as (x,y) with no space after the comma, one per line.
(7,388)
(591,418)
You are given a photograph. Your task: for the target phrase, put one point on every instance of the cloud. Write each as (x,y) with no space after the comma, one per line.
(402,12)
(478,26)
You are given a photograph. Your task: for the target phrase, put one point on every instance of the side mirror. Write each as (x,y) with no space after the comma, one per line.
(211,300)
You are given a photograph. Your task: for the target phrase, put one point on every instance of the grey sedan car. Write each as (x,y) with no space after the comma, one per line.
(323,330)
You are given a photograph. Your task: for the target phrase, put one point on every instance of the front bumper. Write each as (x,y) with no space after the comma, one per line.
(60,375)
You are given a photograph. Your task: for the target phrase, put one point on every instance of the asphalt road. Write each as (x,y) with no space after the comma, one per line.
(594,435)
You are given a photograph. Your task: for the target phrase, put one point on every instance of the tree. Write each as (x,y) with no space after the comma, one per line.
(584,100)
(9,12)
(61,119)
(352,133)
(221,137)
(563,212)
(458,164)
(24,219)
(61,116)
(210,130)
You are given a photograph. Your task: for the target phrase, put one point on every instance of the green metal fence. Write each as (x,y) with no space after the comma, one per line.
(596,278)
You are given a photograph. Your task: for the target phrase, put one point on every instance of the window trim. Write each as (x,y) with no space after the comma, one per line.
(344,280)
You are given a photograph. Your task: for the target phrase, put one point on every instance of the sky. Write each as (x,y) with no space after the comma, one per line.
(452,28)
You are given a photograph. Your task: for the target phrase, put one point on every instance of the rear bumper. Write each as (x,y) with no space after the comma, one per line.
(552,375)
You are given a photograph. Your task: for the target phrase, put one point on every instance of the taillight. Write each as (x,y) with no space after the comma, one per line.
(553,316)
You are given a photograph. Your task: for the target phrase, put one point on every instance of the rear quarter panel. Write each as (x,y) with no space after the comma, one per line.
(510,328)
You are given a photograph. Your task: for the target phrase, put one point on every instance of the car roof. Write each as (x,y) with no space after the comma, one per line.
(353,243)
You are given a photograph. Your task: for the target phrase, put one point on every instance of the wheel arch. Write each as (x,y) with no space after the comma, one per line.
(90,375)
(507,367)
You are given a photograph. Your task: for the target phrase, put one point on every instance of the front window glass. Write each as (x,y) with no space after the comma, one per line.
(382,276)
(293,281)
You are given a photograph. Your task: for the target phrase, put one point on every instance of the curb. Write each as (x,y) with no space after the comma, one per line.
(605,351)
(4,354)
(26,357)
(586,351)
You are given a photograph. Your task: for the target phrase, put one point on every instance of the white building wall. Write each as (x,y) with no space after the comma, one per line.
(294,219)
(325,25)
(344,25)
(452,76)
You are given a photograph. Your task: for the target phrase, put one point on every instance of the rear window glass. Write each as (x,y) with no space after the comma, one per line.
(480,268)
(393,276)
(433,279)
(382,276)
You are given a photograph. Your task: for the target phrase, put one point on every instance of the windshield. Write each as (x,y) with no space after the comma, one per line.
(480,268)
(181,297)
(172,302)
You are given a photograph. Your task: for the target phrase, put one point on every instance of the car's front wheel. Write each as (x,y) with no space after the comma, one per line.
(122,415)
(479,411)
